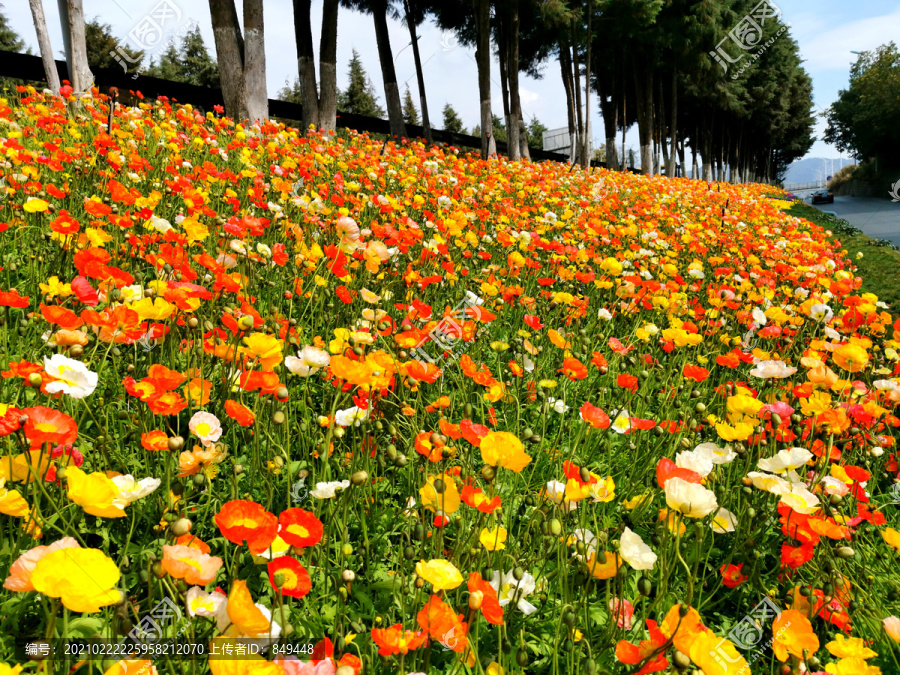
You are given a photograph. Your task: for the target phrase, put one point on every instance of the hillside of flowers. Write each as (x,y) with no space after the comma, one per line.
(277,403)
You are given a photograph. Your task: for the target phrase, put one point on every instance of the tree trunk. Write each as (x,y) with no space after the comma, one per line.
(512,67)
(40,26)
(579,119)
(586,144)
(255,61)
(328,65)
(72,20)
(503,62)
(230,57)
(306,64)
(483,61)
(673,126)
(624,122)
(391,89)
(706,149)
(565,66)
(643,84)
(661,126)
(681,157)
(523,140)
(420,78)
(609,108)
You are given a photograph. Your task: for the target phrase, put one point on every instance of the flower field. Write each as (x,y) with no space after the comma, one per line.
(320,404)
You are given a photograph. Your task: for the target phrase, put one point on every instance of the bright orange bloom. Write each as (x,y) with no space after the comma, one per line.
(246,618)
(192,541)
(631,654)
(423,445)
(476,498)
(574,369)
(166,403)
(155,441)
(490,603)
(732,577)
(695,373)
(682,629)
(442,624)
(46,425)
(395,640)
(197,391)
(793,633)
(300,528)
(295,582)
(594,416)
(241,520)
(62,317)
(240,413)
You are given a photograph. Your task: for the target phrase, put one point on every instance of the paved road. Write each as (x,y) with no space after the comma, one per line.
(878,218)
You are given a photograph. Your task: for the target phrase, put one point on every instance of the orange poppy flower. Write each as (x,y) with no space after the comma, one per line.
(423,445)
(630,654)
(395,640)
(198,391)
(574,369)
(300,528)
(155,441)
(240,413)
(792,635)
(62,317)
(192,541)
(605,567)
(241,520)
(166,403)
(732,576)
(682,630)
(594,416)
(476,498)
(443,624)
(490,603)
(167,378)
(246,618)
(46,425)
(295,581)
(695,373)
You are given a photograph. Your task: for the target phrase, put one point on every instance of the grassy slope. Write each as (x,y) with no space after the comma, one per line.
(880,265)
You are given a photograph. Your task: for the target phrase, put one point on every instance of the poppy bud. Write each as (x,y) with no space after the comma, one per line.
(518,573)
(682,661)
(845,552)
(176,443)
(359,478)
(158,571)
(35,380)
(683,610)
(555,527)
(348,576)
(181,527)
(476,599)
(246,322)
(278,418)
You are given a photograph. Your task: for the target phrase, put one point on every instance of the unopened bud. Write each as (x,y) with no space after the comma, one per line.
(476,599)
(176,443)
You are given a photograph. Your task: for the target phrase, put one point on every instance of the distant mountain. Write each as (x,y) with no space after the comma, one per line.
(812,169)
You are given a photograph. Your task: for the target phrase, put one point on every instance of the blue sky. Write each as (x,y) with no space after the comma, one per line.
(826,30)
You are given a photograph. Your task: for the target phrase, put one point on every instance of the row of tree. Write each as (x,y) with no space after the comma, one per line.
(865,120)
(720,77)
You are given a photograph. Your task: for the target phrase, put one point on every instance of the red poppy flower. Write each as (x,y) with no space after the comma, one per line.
(490,603)
(300,528)
(796,556)
(695,373)
(13,299)
(732,576)
(343,294)
(630,654)
(166,403)
(62,317)
(425,447)
(9,423)
(240,413)
(46,425)
(84,291)
(533,321)
(295,582)
(155,441)
(472,432)
(241,520)
(443,624)
(476,498)
(627,381)
(666,469)
(595,416)
(574,369)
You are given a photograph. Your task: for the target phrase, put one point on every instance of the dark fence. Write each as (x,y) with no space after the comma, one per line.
(28,67)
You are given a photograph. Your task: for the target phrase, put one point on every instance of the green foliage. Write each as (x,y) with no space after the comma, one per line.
(291,93)
(410,114)
(535,131)
(866,117)
(190,62)
(9,39)
(452,122)
(359,97)
(103,48)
